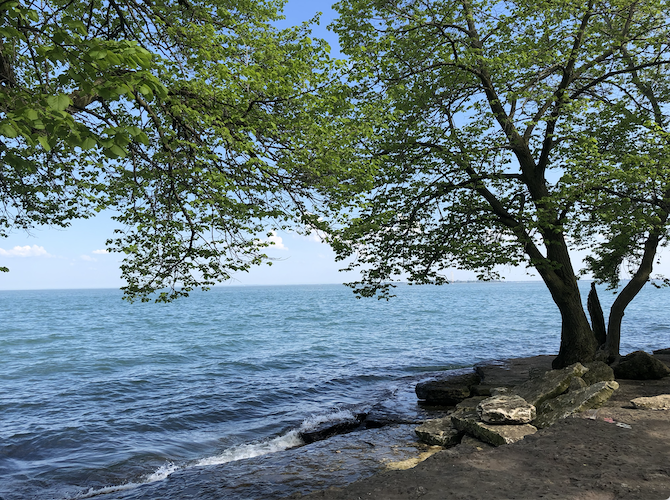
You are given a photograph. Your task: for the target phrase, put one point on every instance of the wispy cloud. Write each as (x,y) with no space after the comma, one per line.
(100,251)
(25,251)
(88,258)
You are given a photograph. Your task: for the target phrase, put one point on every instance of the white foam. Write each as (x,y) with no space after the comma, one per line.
(161,473)
(158,475)
(240,452)
(314,421)
(291,439)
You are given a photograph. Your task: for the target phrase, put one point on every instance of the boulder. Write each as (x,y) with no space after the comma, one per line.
(640,365)
(448,391)
(662,351)
(576,384)
(549,385)
(467,420)
(329,429)
(598,372)
(661,402)
(481,390)
(501,391)
(506,410)
(440,432)
(563,406)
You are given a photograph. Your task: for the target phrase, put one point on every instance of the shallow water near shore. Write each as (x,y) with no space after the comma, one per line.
(206,397)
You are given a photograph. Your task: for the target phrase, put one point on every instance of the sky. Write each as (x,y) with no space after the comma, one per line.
(75,257)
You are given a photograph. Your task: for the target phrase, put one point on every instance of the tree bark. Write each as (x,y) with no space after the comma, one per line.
(597,316)
(577,340)
(578,344)
(613,343)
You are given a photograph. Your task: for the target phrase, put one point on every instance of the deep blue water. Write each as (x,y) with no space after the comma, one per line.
(96,393)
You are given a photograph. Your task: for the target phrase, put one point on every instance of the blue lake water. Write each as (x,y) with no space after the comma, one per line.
(98,396)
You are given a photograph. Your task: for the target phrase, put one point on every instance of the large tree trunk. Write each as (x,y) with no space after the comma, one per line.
(577,340)
(612,345)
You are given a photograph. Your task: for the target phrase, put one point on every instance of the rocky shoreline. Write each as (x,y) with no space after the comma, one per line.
(571,433)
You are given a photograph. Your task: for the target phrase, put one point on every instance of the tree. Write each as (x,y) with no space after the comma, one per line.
(187,117)
(507,133)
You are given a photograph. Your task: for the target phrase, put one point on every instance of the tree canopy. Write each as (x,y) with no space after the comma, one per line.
(508,133)
(187,117)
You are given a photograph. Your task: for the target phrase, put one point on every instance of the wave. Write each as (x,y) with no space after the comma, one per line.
(288,440)
(158,475)
(291,439)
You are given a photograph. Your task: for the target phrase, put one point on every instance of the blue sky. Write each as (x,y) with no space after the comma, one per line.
(48,258)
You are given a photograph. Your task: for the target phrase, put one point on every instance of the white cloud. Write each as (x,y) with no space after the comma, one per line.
(100,251)
(25,251)
(88,258)
(278,242)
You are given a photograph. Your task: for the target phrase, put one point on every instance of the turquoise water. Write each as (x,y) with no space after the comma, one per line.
(99,396)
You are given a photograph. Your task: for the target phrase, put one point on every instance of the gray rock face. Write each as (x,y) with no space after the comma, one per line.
(506,410)
(440,432)
(640,365)
(598,372)
(470,403)
(467,420)
(577,383)
(563,406)
(549,385)
(501,391)
(661,402)
(449,391)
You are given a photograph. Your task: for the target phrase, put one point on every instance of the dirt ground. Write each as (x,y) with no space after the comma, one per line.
(615,452)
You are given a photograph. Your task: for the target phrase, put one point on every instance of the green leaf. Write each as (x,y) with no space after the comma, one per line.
(88,143)
(116,152)
(8,130)
(44,142)
(59,102)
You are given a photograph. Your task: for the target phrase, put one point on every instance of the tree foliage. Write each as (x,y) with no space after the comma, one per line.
(187,117)
(511,132)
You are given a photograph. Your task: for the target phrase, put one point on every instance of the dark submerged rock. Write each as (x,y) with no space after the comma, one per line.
(447,391)
(640,365)
(330,429)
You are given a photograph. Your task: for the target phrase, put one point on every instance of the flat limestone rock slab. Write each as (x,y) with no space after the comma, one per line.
(549,385)
(470,403)
(439,432)
(447,391)
(661,402)
(598,372)
(467,420)
(506,410)
(577,383)
(563,406)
